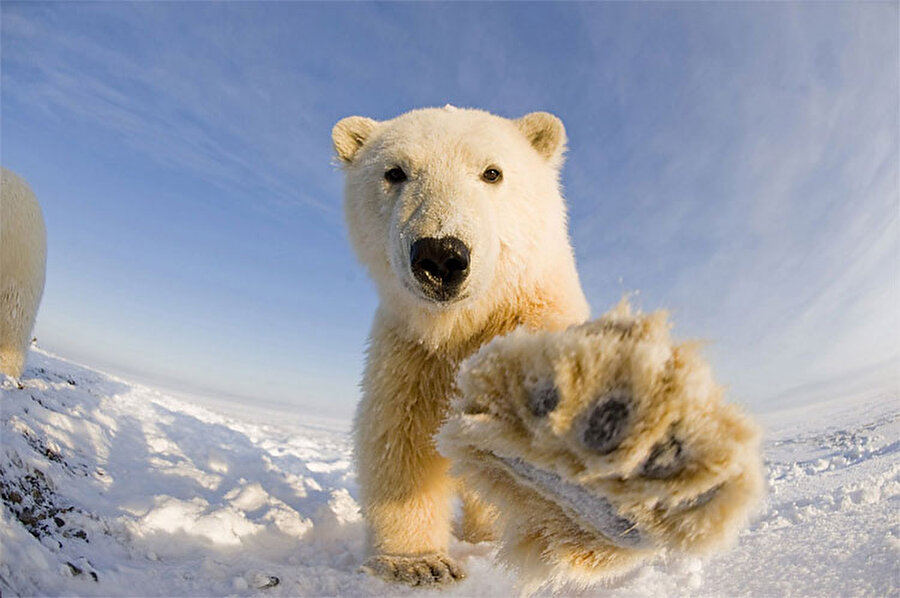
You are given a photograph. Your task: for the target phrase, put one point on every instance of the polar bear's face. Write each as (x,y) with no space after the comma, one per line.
(452,208)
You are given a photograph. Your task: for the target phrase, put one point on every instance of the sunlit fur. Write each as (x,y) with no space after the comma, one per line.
(23,252)
(672,388)
(522,273)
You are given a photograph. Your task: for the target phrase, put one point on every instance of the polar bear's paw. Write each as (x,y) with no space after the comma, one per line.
(601,446)
(424,570)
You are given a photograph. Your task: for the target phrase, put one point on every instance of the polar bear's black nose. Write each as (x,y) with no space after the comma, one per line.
(440,265)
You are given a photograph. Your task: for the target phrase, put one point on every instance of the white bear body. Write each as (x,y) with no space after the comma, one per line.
(23,255)
(520,272)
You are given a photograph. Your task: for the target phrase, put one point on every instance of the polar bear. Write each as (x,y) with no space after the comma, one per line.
(458,216)
(23,255)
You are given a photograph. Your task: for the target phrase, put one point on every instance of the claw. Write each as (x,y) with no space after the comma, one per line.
(423,570)
(439,574)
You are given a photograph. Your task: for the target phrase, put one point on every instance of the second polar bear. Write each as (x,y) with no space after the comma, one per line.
(23,255)
(458,216)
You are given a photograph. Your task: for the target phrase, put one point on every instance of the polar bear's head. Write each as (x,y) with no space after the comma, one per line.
(452,210)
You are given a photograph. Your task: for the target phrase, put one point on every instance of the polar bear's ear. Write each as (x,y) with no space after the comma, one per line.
(350,134)
(546,134)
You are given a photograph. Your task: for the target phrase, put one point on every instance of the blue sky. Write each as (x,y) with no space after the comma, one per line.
(736,163)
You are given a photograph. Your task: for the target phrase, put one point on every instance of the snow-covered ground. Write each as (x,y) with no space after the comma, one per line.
(112,488)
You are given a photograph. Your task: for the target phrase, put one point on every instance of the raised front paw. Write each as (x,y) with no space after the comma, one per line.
(600,445)
(423,570)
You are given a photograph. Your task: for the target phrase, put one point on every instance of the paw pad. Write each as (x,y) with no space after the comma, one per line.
(543,399)
(666,459)
(607,425)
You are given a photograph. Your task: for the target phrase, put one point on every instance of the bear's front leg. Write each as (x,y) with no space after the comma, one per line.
(407,506)
(405,488)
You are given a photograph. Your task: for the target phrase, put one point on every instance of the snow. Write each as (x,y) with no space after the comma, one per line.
(114,488)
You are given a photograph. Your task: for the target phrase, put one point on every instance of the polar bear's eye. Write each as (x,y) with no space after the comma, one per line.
(395,175)
(492,175)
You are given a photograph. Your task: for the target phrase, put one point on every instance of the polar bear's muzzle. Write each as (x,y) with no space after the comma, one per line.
(440,266)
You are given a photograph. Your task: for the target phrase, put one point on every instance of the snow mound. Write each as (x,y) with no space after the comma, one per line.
(112,488)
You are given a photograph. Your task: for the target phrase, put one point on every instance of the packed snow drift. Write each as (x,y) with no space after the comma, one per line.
(112,488)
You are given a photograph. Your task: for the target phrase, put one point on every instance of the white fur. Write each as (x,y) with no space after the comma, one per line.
(23,254)
(521,273)
(516,230)
(522,290)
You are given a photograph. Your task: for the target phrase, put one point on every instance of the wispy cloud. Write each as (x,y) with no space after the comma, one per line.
(766,214)
(737,163)
(178,100)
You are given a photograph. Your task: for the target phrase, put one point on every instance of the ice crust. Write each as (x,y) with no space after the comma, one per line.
(164,495)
